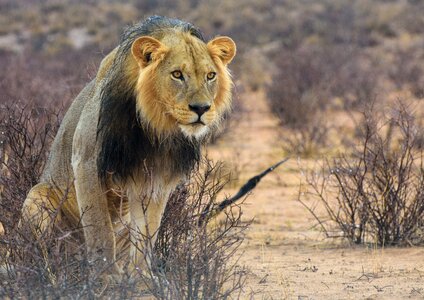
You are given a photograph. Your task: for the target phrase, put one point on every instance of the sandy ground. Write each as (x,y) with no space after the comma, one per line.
(287,257)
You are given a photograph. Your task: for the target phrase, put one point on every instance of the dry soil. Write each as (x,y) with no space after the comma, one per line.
(287,256)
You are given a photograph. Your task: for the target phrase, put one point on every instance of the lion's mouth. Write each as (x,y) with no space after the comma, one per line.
(194,124)
(196,129)
(198,122)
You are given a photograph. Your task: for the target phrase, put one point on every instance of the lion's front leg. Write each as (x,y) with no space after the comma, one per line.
(146,216)
(96,221)
(92,199)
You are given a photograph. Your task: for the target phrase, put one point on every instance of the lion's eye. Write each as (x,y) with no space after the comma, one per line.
(211,76)
(177,75)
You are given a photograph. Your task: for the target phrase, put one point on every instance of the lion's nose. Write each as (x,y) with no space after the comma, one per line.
(199,108)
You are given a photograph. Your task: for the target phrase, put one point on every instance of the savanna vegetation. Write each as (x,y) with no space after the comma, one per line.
(344,78)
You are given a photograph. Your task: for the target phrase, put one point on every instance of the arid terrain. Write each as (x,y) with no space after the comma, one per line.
(311,77)
(287,256)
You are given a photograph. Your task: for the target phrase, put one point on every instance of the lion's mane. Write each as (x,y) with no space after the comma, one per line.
(126,141)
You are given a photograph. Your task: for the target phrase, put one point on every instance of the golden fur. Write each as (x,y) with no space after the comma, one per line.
(163,115)
(132,135)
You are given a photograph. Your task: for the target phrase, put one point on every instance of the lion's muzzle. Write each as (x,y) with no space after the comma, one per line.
(199,109)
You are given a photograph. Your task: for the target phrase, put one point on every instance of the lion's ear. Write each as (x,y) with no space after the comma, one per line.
(146,49)
(224,48)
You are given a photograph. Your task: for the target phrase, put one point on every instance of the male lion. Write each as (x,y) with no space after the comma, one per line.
(132,134)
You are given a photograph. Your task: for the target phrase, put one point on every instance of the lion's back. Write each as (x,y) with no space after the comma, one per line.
(58,168)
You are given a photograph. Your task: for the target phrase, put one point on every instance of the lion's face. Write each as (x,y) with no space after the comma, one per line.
(183,83)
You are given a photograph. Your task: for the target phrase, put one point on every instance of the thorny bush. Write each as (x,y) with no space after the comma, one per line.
(376,195)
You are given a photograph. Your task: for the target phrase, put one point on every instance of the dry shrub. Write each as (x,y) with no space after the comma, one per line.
(298,94)
(356,81)
(309,78)
(312,80)
(190,260)
(297,90)
(407,70)
(25,136)
(42,80)
(308,140)
(198,260)
(379,191)
(419,138)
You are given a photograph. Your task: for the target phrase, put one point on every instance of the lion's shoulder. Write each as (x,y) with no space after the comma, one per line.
(106,65)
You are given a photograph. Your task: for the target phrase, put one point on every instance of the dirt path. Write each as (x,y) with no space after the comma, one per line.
(288,259)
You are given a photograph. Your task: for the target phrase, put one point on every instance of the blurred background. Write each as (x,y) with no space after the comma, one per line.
(343,52)
(309,58)
(333,81)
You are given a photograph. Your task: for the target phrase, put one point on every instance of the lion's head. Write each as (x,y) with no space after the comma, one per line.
(182,82)
(164,89)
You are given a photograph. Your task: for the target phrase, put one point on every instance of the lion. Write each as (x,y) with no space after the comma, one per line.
(132,135)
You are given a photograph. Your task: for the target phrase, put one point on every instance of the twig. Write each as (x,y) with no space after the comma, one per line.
(211,211)
(325,284)
(263,280)
(381,289)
